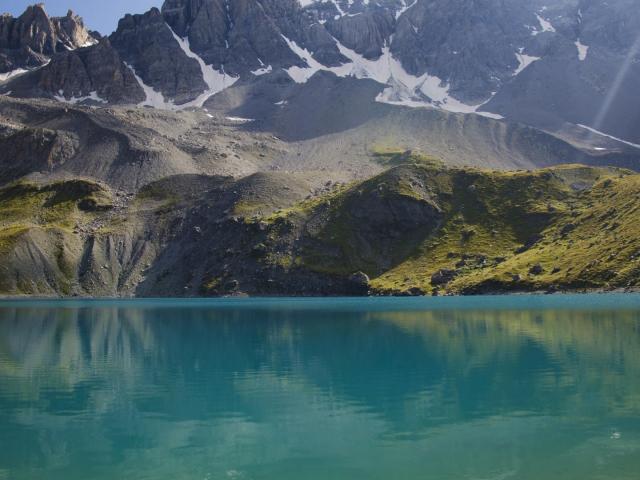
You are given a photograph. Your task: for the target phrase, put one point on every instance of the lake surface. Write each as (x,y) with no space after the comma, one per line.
(526,388)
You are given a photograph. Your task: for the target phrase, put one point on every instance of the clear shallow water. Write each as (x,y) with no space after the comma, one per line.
(473,388)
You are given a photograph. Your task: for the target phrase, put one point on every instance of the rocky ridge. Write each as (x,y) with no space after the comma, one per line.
(30,40)
(547,64)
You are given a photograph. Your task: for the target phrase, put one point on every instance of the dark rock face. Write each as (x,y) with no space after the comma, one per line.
(243,35)
(96,72)
(597,87)
(366,33)
(147,44)
(97,69)
(442,277)
(34,149)
(471,45)
(30,39)
(546,63)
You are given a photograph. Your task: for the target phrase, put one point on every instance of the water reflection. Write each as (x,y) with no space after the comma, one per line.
(136,391)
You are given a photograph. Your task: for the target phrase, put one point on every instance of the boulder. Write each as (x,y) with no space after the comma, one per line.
(442,277)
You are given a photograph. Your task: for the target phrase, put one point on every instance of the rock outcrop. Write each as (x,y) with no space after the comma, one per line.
(90,75)
(246,35)
(32,38)
(35,150)
(147,43)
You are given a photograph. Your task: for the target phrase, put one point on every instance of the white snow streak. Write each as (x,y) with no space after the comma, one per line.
(404,8)
(262,71)
(402,87)
(303,74)
(524,60)
(89,43)
(582,50)
(602,134)
(14,73)
(154,99)
(215,80)
(495,116)
(75,100)
(240,119)
(545,25)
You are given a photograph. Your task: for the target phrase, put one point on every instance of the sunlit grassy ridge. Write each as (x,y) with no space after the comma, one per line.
(421,227)
(25,206)
(417,228)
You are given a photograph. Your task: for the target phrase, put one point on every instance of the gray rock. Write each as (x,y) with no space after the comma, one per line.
(32,38)
(78,73)
(147,44)
(360,279)
(442,277)
(537,269)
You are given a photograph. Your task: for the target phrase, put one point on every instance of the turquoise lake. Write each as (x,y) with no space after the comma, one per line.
(486,388)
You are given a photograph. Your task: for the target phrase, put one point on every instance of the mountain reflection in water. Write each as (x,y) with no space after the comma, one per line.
(347,390)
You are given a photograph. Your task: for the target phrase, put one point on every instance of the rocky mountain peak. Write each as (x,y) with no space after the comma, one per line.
(32,38)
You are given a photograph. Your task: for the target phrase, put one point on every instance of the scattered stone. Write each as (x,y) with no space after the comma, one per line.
(536,269)
(442,277)
(416,292)
(569,227)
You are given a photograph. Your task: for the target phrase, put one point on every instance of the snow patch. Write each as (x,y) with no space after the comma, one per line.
(240,119)
(583,50)
(524,61)
(216,81)
(75,100)
(303,74)
(402,88)
(14,73)
(545,25)
(602,134)
(495,116)
(405,7)
(153,99)
(262,71)
(89,43)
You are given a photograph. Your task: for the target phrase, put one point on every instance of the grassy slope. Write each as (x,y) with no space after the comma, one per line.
(29,211)
(485,220)
(578,226)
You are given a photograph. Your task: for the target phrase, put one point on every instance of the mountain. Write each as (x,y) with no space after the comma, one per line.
(551,65)
(317,143)
(33,38)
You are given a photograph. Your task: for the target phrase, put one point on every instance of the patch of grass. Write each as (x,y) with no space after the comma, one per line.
(54,204)
(488,227)
(9,236)
(392,157)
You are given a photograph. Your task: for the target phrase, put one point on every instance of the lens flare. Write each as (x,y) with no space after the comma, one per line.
(616,85)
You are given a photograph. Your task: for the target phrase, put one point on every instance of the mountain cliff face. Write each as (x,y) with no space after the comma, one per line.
(31,39)
(548,64)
